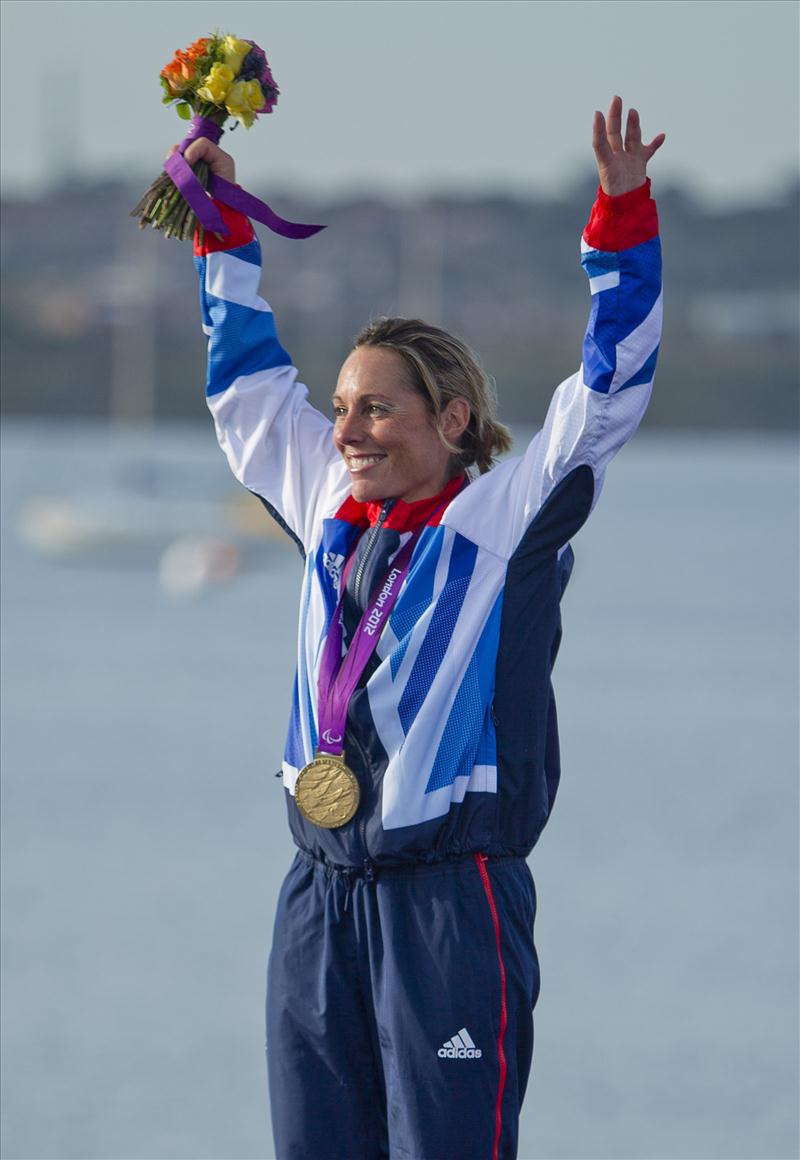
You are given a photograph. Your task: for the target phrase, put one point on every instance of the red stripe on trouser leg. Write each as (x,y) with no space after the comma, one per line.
(481,860)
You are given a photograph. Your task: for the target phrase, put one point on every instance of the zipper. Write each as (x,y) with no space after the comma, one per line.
(372,539)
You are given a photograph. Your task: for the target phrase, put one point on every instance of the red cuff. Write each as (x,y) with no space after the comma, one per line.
(240,227)
(618,223)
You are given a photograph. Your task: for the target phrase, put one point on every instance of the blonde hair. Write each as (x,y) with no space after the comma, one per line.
(444,368)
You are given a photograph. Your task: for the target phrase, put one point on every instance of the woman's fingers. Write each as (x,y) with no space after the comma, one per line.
(656,143)
(600,143)
(218,161)
(633,130)
(621,166)
(614,124)
(201,149)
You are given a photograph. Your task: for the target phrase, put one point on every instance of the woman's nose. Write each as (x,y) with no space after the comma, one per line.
(349,428)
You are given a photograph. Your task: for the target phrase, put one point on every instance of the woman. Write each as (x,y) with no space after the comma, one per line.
(422,756)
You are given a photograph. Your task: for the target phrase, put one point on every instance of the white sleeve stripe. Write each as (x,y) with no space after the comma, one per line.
(232,280)
(604,282)
(634,350)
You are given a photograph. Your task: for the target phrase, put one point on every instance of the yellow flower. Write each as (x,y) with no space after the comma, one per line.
(235,51)
(218,82)
(244,100)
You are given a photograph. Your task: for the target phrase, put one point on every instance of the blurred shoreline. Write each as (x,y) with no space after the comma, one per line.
(100,320)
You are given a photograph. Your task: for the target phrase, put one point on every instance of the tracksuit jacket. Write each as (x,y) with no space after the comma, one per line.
(452,733)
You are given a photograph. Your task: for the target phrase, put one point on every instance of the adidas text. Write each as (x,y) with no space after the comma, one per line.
(461,1046)
(459,1052)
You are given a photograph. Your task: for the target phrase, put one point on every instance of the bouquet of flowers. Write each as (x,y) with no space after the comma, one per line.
(217,77)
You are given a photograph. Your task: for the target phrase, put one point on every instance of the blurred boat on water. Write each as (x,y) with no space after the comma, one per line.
(87,523)
(149,517)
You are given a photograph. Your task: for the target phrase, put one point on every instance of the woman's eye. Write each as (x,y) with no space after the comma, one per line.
(372,410)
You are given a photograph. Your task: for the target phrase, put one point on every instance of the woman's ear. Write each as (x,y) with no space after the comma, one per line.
(455,419)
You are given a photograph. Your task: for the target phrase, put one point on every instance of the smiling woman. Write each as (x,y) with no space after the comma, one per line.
(422,762)
(384,431)
(412,410)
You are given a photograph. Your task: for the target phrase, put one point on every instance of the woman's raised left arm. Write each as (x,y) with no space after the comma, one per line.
(596,410)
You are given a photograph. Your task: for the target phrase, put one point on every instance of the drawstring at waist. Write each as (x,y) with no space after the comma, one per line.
(346,877)
(370,871)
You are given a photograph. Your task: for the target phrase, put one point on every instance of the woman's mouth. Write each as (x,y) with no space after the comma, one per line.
(358,463)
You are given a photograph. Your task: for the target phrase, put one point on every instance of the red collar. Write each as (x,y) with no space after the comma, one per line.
(403,517)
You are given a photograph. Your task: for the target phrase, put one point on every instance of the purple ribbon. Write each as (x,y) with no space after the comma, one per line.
(338,679)
(201,201)
(202,127)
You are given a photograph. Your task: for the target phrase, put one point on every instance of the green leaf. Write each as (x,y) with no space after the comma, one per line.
(184,111)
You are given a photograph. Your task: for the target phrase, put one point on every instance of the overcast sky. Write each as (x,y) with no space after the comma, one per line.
(404,96)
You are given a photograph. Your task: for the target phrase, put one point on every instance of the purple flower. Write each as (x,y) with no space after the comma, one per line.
(256,67)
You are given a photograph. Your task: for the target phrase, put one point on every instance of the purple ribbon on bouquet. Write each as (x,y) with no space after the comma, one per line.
(201,202)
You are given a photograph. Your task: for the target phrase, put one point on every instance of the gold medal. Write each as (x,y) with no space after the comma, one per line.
(326,791)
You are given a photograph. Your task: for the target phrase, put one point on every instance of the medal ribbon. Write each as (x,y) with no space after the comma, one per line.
(338,679)
(201,200)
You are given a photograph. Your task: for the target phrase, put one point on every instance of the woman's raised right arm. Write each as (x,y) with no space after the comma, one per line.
(276,443)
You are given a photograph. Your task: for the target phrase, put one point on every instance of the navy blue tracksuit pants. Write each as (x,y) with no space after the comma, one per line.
(399,1010)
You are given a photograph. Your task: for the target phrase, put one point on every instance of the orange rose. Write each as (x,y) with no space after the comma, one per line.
(175,75)
(199,48)
(181,69)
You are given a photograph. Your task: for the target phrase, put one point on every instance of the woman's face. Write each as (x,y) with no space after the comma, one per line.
(384,431)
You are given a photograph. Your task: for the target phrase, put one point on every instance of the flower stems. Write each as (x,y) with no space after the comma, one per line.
(164,207)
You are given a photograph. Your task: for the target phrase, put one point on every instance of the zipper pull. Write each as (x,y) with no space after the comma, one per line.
(369,543)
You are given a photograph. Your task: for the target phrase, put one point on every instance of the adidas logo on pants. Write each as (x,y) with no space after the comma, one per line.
(460,1047)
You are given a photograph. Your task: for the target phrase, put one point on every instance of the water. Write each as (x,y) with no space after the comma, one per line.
(144,836)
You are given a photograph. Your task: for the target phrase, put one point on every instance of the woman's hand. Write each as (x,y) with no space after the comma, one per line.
(622,166)
(218,161)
